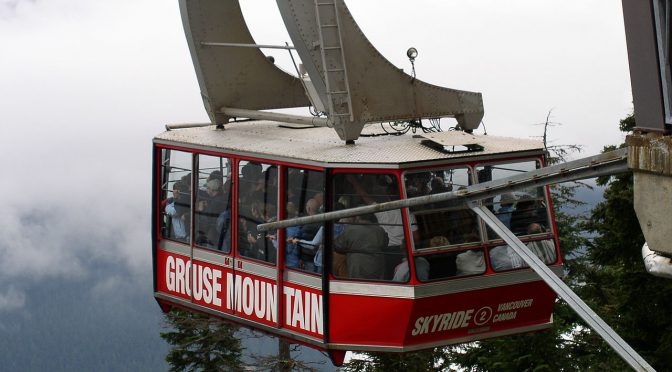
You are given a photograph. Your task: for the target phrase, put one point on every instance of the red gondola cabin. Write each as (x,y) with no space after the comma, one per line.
(393,281)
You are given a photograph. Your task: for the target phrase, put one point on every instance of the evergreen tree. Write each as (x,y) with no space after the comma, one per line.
(201,343)
(616,285)
(555,349)
(427,360)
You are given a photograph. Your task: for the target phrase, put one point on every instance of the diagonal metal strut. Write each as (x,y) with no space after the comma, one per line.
(563,291)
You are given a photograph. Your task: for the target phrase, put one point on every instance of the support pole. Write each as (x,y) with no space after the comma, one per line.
(561,289)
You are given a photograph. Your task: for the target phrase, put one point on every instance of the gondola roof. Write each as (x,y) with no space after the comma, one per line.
(321,146)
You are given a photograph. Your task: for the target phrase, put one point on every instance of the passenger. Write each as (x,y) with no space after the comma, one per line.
(470,262)
(250,175)
(270,250)
(308,233)
(311,245)
(544,249)
(439,241)
(292,250)
(339,264)
(506,202)
(363,244)
(186,179)
(528,210)
(261,246)
(401,271)
(248,235)
(222,234)
(438,186)
(176,209)
(210,205)
(319,199)
(418,184)
(269,186)
(503,257)
(391,221)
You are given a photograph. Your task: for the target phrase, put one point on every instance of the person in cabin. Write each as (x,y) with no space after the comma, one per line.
(209,206)
(528,210)
(176,209)
(544,249)
(402,271)
(259,246)
(292,250)
(506,204)
(307,234)
(391,221)
(363,244)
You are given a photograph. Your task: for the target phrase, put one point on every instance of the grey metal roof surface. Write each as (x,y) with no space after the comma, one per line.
(322,146)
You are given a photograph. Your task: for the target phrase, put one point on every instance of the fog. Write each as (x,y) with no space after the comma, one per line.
(85,85)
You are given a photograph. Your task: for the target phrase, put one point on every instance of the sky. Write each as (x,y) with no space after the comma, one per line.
(86,84)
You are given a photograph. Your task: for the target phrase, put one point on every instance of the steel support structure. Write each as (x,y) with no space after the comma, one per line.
(612,162)
(563,291)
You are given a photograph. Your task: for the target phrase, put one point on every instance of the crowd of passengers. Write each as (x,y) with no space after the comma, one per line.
(370,246)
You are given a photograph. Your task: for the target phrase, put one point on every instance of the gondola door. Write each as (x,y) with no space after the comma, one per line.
(212,263)
(253,286)
(301,305)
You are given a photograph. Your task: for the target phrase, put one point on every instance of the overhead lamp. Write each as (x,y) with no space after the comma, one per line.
(412,53)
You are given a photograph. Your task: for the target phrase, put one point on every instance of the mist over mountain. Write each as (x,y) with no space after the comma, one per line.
(89,323)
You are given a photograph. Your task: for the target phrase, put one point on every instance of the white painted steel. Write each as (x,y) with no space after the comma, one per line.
(265,115)
(233,77)
(239,45)
(369,74)
(656,264)
(561,289)
(321,146)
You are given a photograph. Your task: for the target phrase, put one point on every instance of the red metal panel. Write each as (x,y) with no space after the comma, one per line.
(204,283)
(377,321)
(245,295)
(479,312)
(364,320)
(303,310)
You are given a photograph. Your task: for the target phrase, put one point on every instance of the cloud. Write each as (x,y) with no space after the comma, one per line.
(11,300)
(84,86)
(8,7)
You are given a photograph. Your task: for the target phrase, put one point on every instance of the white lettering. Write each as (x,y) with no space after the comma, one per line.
(187,278)
(271,300)
(216,287)
(248,296)
(289,294)
(515,305)
(206,276)
(179,277)
(170,273)
(442,322)
(197,282)
(297,313)
(418,325)
(505,316)
(259,299)
(316,314)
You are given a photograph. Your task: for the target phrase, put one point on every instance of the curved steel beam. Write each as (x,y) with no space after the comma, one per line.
(233,76)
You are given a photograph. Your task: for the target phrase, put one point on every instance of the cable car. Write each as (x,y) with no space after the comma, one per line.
(391,281)
(394,281)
